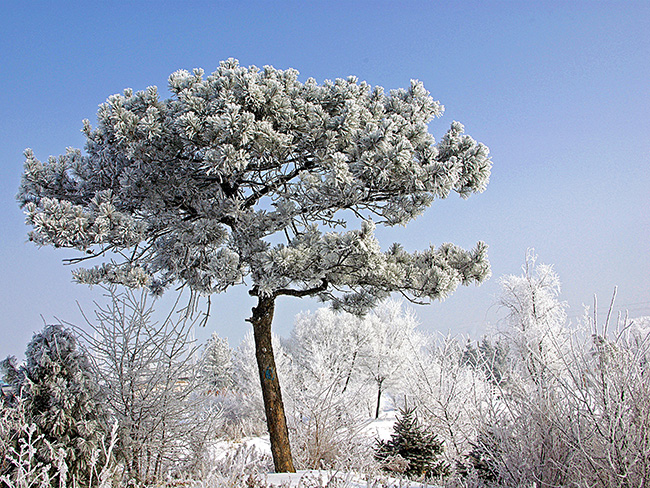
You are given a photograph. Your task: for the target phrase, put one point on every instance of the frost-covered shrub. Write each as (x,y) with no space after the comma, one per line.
(608,394)
(21,451)
(62,401)
(412,450)
(152,378)
(247,465)
(585,427)
(449,393)
(12,419)
(326,430)
(520,424)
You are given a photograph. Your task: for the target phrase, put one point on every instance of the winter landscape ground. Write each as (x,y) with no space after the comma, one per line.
(289,264)
(541,402)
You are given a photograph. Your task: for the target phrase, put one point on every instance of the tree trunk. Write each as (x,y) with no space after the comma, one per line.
(380,383)
(347,380)
(273,406)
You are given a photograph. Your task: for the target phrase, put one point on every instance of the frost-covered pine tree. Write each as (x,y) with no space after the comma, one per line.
(61,396)
(217,364)
(250,173)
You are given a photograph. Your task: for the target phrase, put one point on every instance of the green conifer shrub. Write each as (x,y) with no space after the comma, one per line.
(411,442)
(62,399)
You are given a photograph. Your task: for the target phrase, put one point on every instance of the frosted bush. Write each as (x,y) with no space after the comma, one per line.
(153,384)
(572,406)
(449,393)
(24,465)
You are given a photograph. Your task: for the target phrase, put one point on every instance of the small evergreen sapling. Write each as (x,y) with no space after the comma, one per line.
(411,442)
(483,459)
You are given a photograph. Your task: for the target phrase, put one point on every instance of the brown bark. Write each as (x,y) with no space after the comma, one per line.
(275,417)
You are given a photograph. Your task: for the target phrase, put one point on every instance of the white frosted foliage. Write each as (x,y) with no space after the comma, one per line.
(248,175)
(536,322)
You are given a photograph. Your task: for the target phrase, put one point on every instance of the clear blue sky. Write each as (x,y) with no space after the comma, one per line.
(559,91)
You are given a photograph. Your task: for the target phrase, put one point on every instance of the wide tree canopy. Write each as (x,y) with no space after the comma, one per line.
(248,173)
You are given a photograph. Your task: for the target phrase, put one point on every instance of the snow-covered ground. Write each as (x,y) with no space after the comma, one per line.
(313,478)
(258,450)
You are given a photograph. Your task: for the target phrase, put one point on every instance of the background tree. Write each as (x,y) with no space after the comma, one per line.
(217,364)
(330,347)
(535,327)
(152,380)
(328,396)
(489,355)
(248,173)
(391,340)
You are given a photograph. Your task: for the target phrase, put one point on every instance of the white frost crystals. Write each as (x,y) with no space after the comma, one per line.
(249,172)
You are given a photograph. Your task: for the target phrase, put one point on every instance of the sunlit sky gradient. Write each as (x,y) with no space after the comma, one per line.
(559,91)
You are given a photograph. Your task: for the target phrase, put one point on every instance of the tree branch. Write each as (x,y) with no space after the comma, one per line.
(303,293)
(279,181)
(89,255)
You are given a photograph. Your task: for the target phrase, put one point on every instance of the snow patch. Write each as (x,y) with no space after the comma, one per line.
(317,479)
